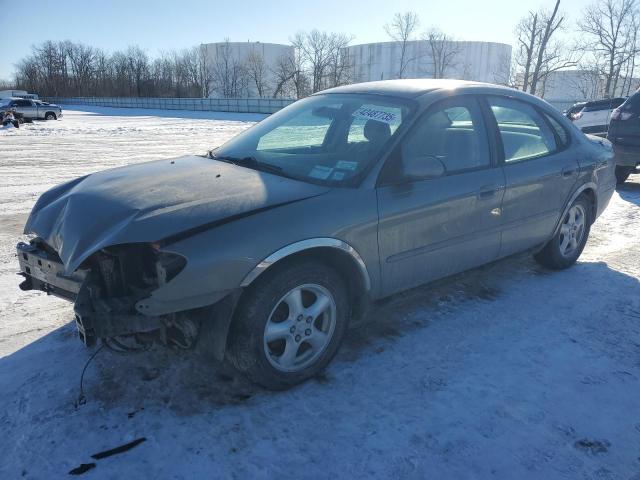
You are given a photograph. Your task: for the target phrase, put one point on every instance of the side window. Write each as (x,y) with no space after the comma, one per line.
(523,131)
(562,134)
(454,133)
(24,103)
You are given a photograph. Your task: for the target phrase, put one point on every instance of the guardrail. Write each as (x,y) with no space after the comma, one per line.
(235,105)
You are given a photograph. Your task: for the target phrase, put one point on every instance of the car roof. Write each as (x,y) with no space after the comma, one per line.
(406,88)
(605,101)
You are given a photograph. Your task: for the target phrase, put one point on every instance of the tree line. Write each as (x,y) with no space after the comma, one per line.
(604,45)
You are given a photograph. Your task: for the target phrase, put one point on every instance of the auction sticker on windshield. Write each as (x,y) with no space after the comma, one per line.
(373,114)
(320,172)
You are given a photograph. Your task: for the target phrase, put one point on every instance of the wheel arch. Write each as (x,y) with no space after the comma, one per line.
(337,253)
(591,191)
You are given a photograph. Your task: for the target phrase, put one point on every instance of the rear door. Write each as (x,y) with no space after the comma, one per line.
(540,172)
(433,227)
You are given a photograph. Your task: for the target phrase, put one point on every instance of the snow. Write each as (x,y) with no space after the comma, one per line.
(507,371)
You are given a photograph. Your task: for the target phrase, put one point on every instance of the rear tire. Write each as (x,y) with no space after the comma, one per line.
(289,324)
(565,247)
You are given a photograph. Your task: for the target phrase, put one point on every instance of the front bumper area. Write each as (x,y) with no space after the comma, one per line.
(44,271)
(100,315)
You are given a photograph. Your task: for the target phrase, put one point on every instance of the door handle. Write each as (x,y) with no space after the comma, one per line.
(488,192)
(568,172)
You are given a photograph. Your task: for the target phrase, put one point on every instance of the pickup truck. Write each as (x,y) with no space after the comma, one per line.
(32,109)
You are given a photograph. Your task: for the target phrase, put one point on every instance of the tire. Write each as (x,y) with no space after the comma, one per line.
(50,116)
(295,349)
(557,254)
(622,173)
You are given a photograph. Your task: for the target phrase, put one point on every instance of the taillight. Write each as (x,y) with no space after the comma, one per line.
(619,114)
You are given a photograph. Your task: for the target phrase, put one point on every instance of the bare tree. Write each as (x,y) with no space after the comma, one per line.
(539,53)
(611,29)
(321,56)
(229,72)
(403,28)
(257,71)
(443,52)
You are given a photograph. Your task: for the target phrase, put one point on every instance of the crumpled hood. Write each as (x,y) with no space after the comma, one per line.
(151,201)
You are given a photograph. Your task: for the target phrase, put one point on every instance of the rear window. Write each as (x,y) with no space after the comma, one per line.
(562,134)
(632,104)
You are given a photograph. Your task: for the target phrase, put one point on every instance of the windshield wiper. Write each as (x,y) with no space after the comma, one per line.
(249,162)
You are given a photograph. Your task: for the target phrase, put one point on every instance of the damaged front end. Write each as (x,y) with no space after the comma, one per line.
(107,290)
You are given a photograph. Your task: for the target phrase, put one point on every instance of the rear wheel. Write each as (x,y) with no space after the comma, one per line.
(565,247)
(622,173)
(50,116)
(289,325)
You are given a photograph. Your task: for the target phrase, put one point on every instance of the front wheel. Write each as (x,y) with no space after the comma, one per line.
(289,324)
(565,247)
(50,116)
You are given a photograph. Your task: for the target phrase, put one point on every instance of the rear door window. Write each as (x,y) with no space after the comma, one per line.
(523,131)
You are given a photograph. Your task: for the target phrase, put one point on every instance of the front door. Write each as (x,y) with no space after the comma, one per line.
(433,227)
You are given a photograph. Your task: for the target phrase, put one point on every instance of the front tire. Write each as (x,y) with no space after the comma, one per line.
(50,116)
(565,247)
(289,324)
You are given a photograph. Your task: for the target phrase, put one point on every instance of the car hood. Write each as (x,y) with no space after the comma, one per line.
(152,201)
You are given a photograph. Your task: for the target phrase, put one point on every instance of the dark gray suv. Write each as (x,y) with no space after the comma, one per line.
(624,133)
(263,250)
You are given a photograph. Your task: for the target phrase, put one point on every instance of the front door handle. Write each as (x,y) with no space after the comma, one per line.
(488,192)
(568,172)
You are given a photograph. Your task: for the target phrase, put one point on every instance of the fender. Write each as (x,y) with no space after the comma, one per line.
(576,194)
(307,245)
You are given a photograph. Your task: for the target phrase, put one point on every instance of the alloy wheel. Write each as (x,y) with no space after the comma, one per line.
(572,230)
(300,328)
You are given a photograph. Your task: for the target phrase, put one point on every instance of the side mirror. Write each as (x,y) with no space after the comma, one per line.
(423,167)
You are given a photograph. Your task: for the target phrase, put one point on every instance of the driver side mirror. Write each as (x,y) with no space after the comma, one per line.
(423,167)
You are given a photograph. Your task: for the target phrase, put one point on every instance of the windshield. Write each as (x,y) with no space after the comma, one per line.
(327,139)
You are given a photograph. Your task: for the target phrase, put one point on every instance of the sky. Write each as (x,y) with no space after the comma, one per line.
(157,25)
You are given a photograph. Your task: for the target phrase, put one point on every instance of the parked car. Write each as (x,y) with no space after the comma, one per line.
(263,250)
(624,133)
(34,109)
(594,116)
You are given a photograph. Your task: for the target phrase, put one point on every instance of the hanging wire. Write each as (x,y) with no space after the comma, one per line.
(81,398)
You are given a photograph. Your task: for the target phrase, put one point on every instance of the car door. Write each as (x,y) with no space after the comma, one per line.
(433,227)
(26,108)
(539,169)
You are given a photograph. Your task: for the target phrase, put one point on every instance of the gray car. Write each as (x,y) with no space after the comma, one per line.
(33,109)
(262,251)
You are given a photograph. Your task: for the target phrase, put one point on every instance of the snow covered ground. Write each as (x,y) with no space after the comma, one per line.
(508,371)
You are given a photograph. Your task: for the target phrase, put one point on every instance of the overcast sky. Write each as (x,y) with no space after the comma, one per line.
(158,25)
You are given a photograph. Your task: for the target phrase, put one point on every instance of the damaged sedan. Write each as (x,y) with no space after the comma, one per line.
(264,250)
